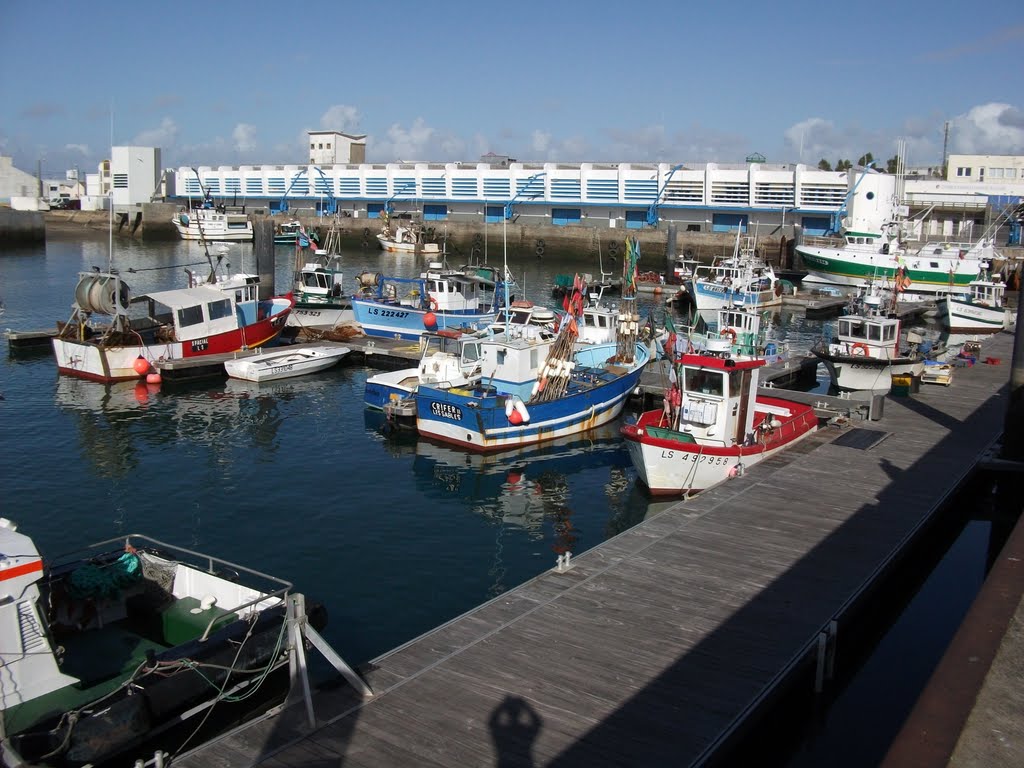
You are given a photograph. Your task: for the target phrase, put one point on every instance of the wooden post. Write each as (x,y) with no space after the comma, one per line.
(263,252)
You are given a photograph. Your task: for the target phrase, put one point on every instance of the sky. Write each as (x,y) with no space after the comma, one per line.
(227,83)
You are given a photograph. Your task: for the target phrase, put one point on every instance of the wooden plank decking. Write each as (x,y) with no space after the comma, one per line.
(656,645)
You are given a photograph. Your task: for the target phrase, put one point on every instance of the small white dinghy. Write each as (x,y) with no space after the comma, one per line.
(284,363)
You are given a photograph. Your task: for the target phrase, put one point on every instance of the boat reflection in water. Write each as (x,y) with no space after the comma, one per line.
(539,494)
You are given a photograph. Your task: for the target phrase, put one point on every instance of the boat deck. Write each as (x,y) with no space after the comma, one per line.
(661,645)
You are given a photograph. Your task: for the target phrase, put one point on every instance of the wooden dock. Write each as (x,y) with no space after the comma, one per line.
(366,350)
(662,645)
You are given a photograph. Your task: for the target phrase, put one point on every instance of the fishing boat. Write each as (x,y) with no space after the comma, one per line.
(742,279)
(869,349)
(449,358)
(167,325)
(211,223)
(132,645)
(934,267)
(320,299)
(980,311)
(536,388)
(284,363)
(294,233)
(407,237)
(440,298)
(713,425)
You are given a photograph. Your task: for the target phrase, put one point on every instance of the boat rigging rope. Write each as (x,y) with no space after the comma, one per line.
(134,270)
(227,678)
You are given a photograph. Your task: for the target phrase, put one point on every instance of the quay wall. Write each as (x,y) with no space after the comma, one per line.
(656,245)
(21,227)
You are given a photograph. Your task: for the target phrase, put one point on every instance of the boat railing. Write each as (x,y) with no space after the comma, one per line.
(272,586)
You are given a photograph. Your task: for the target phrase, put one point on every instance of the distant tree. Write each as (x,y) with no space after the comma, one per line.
(892,164)
(843,165)
(864,160)
(824,165)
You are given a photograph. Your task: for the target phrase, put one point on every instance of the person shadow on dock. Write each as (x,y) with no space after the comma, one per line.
(514,727)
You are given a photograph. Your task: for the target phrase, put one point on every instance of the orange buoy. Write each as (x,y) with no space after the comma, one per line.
(141,365)
(429,320)
(153,378)
(141,393)
(515,418)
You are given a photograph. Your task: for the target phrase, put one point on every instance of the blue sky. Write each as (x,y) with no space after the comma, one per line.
(223,82)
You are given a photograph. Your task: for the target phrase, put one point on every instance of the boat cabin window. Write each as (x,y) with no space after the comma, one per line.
(853,328)
(704,382)
(219,309)
(875,332)
(190,316)
(471,352)
(314,280)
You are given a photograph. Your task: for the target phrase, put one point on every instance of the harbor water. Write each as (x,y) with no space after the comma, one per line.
(393,534)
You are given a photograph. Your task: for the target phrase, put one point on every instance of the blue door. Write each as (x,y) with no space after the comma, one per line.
(561,217)
(374,210)
(816,225)
(494,213)
(636,219)
(435,212)
(728,222)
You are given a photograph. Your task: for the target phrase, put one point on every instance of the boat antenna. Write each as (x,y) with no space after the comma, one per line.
(110,207)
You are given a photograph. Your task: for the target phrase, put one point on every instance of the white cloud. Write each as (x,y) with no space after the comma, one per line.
(164,136)
(994,128)
(80,149)
(342,118)
(244,137)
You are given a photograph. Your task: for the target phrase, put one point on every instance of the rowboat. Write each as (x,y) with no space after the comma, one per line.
(284,363)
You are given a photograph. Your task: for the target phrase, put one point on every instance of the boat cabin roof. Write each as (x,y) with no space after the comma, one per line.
(187,297)
(710,361)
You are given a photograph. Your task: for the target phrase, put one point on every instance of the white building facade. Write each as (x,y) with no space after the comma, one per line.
(136,176)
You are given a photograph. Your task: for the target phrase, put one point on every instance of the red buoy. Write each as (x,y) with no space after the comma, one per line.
(153,378)
(515,418)
(430,320)
(141,393)
(141,365)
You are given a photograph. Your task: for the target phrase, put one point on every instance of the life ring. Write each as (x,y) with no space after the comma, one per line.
(540,250)
(863,349)
(366,231)
(730,333)
(477,239)
(433,304)
(613,249)
(476,251)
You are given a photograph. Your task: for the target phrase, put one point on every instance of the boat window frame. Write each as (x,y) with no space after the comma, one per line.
(701,381)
